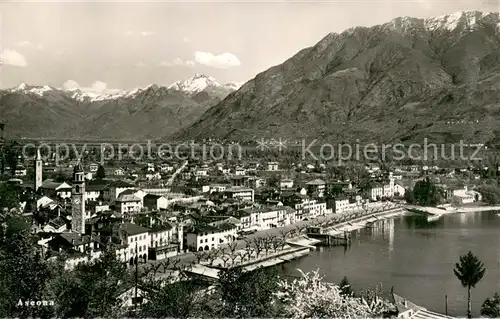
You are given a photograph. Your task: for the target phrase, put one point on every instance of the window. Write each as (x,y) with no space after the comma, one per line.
(213,239)
(144,247)
(206,240)
(140,248)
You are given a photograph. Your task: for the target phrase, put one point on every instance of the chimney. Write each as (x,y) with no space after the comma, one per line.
(405,303)
(73,241)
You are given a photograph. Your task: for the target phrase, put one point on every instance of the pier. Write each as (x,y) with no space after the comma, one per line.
(340,234)
(294,249)
(434,213)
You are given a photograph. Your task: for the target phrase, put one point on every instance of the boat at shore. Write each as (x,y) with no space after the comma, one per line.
(433,218)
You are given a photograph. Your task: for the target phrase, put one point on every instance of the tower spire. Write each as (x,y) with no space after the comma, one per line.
(38,169)
(78,200)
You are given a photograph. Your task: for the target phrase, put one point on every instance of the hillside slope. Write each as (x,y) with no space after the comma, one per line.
(401,81)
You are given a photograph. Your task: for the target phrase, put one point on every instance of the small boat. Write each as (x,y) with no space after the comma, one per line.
(498,214)
(433,218)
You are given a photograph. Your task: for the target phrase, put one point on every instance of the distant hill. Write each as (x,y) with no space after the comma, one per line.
(149,112)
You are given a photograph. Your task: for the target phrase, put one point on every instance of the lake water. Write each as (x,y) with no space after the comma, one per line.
(417,258)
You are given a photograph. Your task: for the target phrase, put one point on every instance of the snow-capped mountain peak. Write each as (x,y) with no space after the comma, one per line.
(234,86)
(196,84)
(462,21)
(450,22)
(28,89)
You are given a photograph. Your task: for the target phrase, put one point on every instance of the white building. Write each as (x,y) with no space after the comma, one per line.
(155,202)
(206,237)
(465,196)
(379,191)
(286,183)
(375,193)
(128,203)
(341,205)
(399,190)
(243,193)
(153,176)
(310,208)
(274,216)
(136,237)
(20,171)
(56,189)
(202,171)
(166,168)
(93,167)
(272,166)
(163,243)
(239,171)
(114,189)
(216,188)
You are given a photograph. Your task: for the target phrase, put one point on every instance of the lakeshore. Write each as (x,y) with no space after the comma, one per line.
(416,257)
(334,225)
(434,213)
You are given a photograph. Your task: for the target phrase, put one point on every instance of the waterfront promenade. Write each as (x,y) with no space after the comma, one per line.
(341,221)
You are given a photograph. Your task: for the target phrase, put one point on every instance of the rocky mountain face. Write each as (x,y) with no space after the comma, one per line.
(405,80)
(149,112)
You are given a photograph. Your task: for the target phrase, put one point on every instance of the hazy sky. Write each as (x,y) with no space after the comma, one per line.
(129,44)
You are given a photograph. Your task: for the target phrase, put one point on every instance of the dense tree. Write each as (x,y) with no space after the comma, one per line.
(100,174)
(490,194)
(491,307)
(469,270)
(274,180)
(244,295)
(91,289)
(180,299)
(345,287)
(10,154)
(9,196)
(311,297)
(424,193)
(23,272)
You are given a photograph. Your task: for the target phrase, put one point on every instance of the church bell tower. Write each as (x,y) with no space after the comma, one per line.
(78,200)
(38,170)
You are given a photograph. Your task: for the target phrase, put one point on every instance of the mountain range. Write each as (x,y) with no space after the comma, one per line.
(148,112)
(402,81)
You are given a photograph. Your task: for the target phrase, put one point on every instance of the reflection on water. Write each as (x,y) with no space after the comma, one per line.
(463,219)
(417,258)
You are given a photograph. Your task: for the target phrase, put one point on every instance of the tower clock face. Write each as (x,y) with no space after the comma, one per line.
(76,201)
